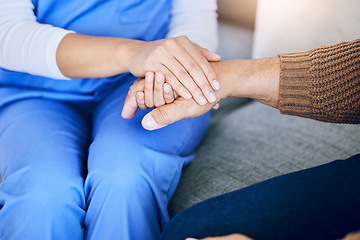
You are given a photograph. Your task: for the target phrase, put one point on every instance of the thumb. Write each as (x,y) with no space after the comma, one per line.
(210,56)
(173,112)
(163,116)
(130,107)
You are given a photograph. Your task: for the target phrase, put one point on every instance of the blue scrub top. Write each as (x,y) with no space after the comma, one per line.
(145,20)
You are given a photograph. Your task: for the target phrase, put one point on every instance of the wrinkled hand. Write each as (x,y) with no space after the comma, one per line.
(173,112)
(149,93)
(229,237)
(185,65)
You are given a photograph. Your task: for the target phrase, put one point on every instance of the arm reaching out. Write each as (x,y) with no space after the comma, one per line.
(257,79)
(322,84)
(184,64)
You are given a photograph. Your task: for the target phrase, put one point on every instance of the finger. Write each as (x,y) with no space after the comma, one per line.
(179,76)
(140,100)
(130,105)
(158,89)
(204,65)
(169,113)
(216,107)
(175,83)
(162,116)
(168,93)
(210,56)
(196,74)
(149,89)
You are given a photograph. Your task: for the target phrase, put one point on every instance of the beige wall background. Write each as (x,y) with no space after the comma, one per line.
(239,12)
(293,25)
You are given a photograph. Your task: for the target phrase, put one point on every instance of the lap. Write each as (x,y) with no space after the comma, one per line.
(317,203)
(42,137)
(123,148)
(128,139)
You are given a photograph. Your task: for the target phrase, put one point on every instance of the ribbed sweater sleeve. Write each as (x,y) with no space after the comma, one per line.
(322,83)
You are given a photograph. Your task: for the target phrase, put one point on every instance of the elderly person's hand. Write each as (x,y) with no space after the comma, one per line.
(143,96)
(257,79)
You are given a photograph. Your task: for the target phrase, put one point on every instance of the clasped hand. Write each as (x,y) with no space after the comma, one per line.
(185,66)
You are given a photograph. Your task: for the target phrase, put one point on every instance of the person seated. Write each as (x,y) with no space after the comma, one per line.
(317,203)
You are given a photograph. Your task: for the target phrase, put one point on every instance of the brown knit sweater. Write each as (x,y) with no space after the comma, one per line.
(323,83)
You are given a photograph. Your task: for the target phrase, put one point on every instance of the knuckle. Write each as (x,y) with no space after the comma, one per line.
(195,90)
(164,116)
(194,66)
(210,74)
(170,43)
(205,86)
(184,38)
(182,74)
(158,89)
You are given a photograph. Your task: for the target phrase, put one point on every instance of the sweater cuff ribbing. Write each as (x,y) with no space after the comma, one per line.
(295,84)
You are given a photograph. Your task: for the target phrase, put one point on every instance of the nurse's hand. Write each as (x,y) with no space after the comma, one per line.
(150,92)
(185,65)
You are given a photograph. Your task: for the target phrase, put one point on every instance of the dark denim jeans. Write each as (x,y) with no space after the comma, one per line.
(317,203)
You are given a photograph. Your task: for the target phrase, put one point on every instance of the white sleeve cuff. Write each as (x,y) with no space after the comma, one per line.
(197,20)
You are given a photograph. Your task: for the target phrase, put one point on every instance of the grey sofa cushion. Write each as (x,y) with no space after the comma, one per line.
(253,143)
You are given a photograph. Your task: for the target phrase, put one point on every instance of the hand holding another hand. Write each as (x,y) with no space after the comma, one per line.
(154,92)
(257,79)
(185,66)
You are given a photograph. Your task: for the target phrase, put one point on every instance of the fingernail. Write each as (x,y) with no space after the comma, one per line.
(212,97)
(149,123)
(202,100)
(158,77)
(191,239)
(187,95)
(149,77)
(216,84)
(167,88)
(139,96)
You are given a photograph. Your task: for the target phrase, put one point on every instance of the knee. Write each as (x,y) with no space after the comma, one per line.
(119,182)
(40,191)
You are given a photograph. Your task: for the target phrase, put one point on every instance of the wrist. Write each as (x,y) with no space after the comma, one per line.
(126,52)
(223,72)
(257,79)
(267,78)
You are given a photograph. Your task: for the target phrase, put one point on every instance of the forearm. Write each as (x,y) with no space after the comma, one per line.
(322,83)
(81,56)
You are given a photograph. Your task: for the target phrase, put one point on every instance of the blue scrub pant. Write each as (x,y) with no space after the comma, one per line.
(320,203)
(72,166)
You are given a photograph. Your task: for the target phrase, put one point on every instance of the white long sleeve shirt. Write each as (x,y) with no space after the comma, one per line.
(30,47)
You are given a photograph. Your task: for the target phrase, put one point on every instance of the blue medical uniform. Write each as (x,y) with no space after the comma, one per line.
(68,160)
